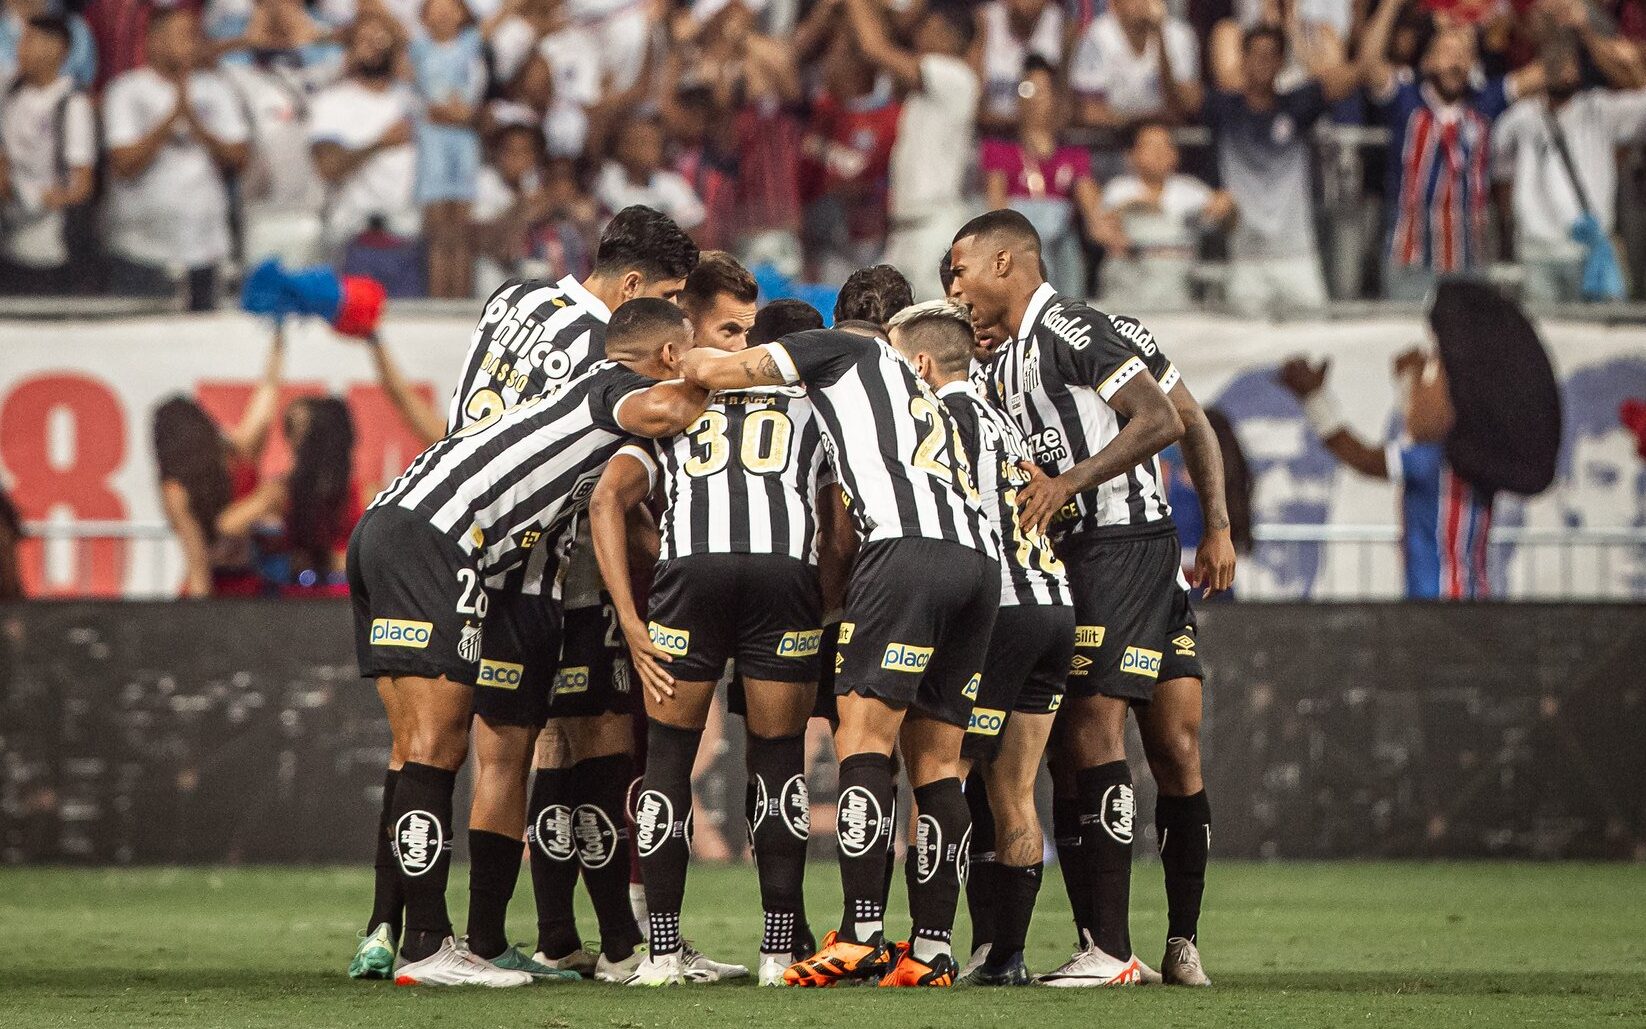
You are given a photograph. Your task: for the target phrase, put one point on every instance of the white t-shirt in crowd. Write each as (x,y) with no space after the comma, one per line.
(40,127)
(355,116)
(934,140)
(1593,123)
(493,196)
(1105,66)
(565,125)
(281,176)
(176,212)
(1004,53)
(1168,229)
(667,191)
(574,54)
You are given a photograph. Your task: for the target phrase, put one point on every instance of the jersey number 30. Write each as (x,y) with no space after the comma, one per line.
(763,448)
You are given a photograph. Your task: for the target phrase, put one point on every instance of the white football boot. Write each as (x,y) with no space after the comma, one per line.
(1092,967)
(608,971)
(581,961)
(699,968)
(974,962)
(657,970)
(454,965)
(1181,965)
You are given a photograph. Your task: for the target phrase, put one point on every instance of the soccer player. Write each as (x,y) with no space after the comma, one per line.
(922,599)
(1029,651)
(1098,401)
(737,580)
(487,499)
(872,294)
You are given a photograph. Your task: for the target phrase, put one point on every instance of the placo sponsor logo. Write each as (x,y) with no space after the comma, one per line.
(858,821)
(670,641)
(800,644)
(551,833)
(903,657)
(395,632)
(501,674)
(1184,645)
(418,841)
(1088,635)
(986,721)
(969,691)
(571,680)
(1137,661)
(1118,812)
(928,848)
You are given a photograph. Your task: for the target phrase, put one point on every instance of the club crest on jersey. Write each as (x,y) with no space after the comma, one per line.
(418,841)
(503,675)
(928,848)
(904,657)
(1070,329)
(596,836)
(653,821)
(396,632)
(551,833)
(860,823)
(1088,635)
(1118,813)
(668,640)
(986,722)
(620,676)
(571,680)
(800,644)
(1137,661)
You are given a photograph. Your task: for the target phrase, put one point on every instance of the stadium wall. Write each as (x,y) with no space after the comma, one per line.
(212,732)
(76,399)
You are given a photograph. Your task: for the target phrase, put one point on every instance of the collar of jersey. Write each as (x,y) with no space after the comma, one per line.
(1037,303)
(957,386)
(584,298)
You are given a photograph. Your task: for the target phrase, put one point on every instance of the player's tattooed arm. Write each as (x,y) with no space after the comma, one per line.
(1214,568)
(715,370)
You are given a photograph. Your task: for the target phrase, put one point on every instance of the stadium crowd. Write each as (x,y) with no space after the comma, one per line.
(152,147)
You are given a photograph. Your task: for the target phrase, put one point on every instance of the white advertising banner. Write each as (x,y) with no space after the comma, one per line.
(76,399)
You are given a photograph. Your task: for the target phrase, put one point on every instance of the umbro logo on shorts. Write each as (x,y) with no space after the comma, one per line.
(1088,635)
(670,641)
(1080,664)
(800,644)
(395,632)
(571,680)
(501,674)
(902,657)
(986,721)
(1137,661)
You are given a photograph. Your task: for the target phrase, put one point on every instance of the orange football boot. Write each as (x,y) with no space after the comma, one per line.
(908,970)
(840,961)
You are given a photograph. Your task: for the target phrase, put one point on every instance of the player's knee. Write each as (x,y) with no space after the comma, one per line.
(1174,761)
(438,746)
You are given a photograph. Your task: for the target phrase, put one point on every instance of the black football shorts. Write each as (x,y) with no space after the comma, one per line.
(518,658)
(594,677)
(1024,672)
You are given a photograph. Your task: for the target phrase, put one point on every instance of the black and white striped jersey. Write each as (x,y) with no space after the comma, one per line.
(1030,572)
(743,478)
(890,440)
(532,337)
(1055,378)
(511,482)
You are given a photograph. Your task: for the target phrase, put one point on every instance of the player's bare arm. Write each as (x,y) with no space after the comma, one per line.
(623,486)
(665,409)
(1152,425)
(713,370)
(1214,563)
(1308,383)
(836,546)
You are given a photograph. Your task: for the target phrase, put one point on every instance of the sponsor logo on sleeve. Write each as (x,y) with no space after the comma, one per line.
(839,662)
(969,691)
(1070,328)
(529,538)
(1184,645)
(986,722)
(800,644)
(395,632)
(477,537)
(571,680)
(1137,661)
(670,641)
(1088,635)
(903,657)
(501,674)
(418,841)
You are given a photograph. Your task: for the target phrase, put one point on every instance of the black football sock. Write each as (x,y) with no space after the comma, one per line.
(554,864)
(1071,859)
(1107,816)
(779,826)
(662,824)
(599,785)
(1184,827)
(936,865)
(388,901)
(863,823)
(494,865)
(423,849)
(981,889)
(1017,889)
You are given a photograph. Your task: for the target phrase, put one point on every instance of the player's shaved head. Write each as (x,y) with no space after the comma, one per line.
(641,328)
(872,294)
(1004,229)
(995,267)
(939,329)
(782,317)
(859,327)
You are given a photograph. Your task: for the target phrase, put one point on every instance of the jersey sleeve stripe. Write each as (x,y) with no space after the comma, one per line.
(618,407)
(1119,377)
(1170,379)
(646,460)
(785,363)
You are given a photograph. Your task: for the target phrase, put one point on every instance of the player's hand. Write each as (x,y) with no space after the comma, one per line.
(648,661)
(1302,378)
(1040,501)
(1214,563)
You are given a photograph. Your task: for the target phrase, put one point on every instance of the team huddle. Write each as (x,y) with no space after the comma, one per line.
(941,526)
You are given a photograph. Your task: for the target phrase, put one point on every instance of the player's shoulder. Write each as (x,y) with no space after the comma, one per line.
(1073,322)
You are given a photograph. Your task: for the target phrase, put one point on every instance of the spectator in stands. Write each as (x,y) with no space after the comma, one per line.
(1315,33)
(450,76)
(48,147)
(704,153)
(1265,160)
(635,175)
(1048,181)
(360,133)
(281,194)
(848,149)
(80,59)
(530,99)
(204,470)
(529,219)
(1553,162)
(173,133)
(1440,126)
(1135,63)
(767,129)
(1157,219)
(1010,32)
(934,133)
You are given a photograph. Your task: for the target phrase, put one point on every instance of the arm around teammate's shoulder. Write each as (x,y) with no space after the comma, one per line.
(665,409)
(758,366)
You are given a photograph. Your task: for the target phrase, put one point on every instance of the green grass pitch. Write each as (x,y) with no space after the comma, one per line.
(1360,944)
